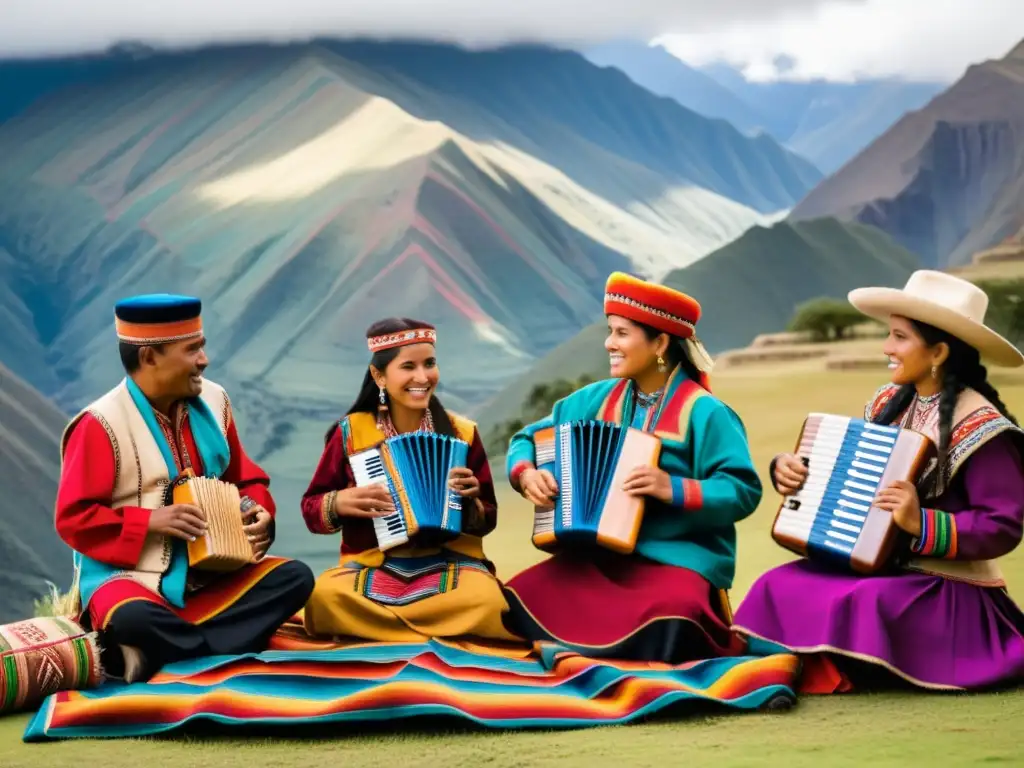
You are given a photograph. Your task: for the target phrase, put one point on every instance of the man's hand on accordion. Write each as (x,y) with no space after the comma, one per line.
(364,501)
(901,499)
(257,528)
(649,481)
(464,482)
(183,521)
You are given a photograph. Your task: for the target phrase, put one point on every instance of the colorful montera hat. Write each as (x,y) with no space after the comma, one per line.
(158,318)
(660,307)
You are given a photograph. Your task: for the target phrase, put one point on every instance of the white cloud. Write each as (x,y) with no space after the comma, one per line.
(919,39)
(61,26)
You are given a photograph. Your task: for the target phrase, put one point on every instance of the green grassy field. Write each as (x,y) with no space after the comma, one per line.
(883,730)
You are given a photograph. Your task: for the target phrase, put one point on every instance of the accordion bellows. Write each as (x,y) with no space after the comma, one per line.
(225,547)
(414,467)
(42,656)
(833,518)
(590,461)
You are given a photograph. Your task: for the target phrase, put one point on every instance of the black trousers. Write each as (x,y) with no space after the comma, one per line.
(245,627)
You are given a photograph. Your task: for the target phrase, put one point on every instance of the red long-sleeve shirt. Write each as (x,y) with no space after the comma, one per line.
(86,521)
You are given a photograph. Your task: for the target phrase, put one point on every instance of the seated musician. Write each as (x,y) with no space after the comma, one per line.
(667,601)
(119,456)
(939,617)
(433,585)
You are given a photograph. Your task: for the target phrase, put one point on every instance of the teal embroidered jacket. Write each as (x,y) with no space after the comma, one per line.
(704,452)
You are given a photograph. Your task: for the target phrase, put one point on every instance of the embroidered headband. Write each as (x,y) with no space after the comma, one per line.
(158,318)
(401,339)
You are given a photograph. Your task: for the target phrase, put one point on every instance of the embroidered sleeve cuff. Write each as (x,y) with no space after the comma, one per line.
(687,494)
(328,517)
(518,468)
(938,535)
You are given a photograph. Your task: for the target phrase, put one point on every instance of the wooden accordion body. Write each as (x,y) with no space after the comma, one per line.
(590,461)
(414,467)
(833,519)
(225,547)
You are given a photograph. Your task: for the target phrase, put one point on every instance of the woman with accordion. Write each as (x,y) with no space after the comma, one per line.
(665,599)
(393,583)
(937,614)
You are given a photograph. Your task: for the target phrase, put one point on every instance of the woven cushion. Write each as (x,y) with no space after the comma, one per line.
(41,656)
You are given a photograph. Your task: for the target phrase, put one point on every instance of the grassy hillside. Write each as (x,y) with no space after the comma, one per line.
(748,287)
(30,551)
(853,730)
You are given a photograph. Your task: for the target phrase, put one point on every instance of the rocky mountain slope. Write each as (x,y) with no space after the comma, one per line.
(945,181)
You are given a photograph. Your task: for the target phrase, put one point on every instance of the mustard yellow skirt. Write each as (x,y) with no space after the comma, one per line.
(411,597)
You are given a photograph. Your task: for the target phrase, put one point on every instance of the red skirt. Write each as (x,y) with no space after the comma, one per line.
(626,607)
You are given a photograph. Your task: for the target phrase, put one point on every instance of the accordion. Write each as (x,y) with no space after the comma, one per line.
(590,460)
(414,467)
(832,518)
(225,547)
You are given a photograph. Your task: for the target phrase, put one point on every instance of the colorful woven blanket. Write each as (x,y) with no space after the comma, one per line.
(300,682)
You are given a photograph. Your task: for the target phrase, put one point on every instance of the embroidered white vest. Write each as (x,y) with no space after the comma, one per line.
(141,473)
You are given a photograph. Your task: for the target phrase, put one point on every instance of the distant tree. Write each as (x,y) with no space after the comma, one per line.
(1005,306)
(538,403)
(826,319)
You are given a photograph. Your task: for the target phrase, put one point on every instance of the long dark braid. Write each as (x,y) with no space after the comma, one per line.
(963,369)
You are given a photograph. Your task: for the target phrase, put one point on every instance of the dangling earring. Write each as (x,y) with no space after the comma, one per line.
(382,408)
(935,372)
(661,364)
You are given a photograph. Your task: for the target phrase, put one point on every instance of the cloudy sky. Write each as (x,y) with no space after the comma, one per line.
(838,39)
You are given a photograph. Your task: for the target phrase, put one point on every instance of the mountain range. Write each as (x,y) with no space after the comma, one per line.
(944,181)
(304,191)
(826,122)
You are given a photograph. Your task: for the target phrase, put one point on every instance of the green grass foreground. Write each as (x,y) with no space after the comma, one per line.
(895,729)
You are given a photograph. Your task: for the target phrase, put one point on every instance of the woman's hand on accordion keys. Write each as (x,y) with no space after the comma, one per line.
(649,481)
(790,474)
(464,482)
(539,487)
(901,500)
(364,501)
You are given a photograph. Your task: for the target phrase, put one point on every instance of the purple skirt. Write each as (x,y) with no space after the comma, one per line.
(930,631)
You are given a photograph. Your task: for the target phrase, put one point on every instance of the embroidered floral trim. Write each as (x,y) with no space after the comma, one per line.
(328,517)
(938,534)
(401,338)
(623,299)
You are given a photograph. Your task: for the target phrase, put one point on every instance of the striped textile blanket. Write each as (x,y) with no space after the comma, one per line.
(299,681)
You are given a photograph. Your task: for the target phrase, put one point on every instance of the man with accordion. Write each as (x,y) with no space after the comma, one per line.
(126,459)
(900,579)
(638,483)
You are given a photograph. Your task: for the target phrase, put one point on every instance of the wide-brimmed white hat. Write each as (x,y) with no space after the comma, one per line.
(945,302)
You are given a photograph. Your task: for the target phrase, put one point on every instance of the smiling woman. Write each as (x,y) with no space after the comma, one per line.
(428,587)
(940,617)
(666,601)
